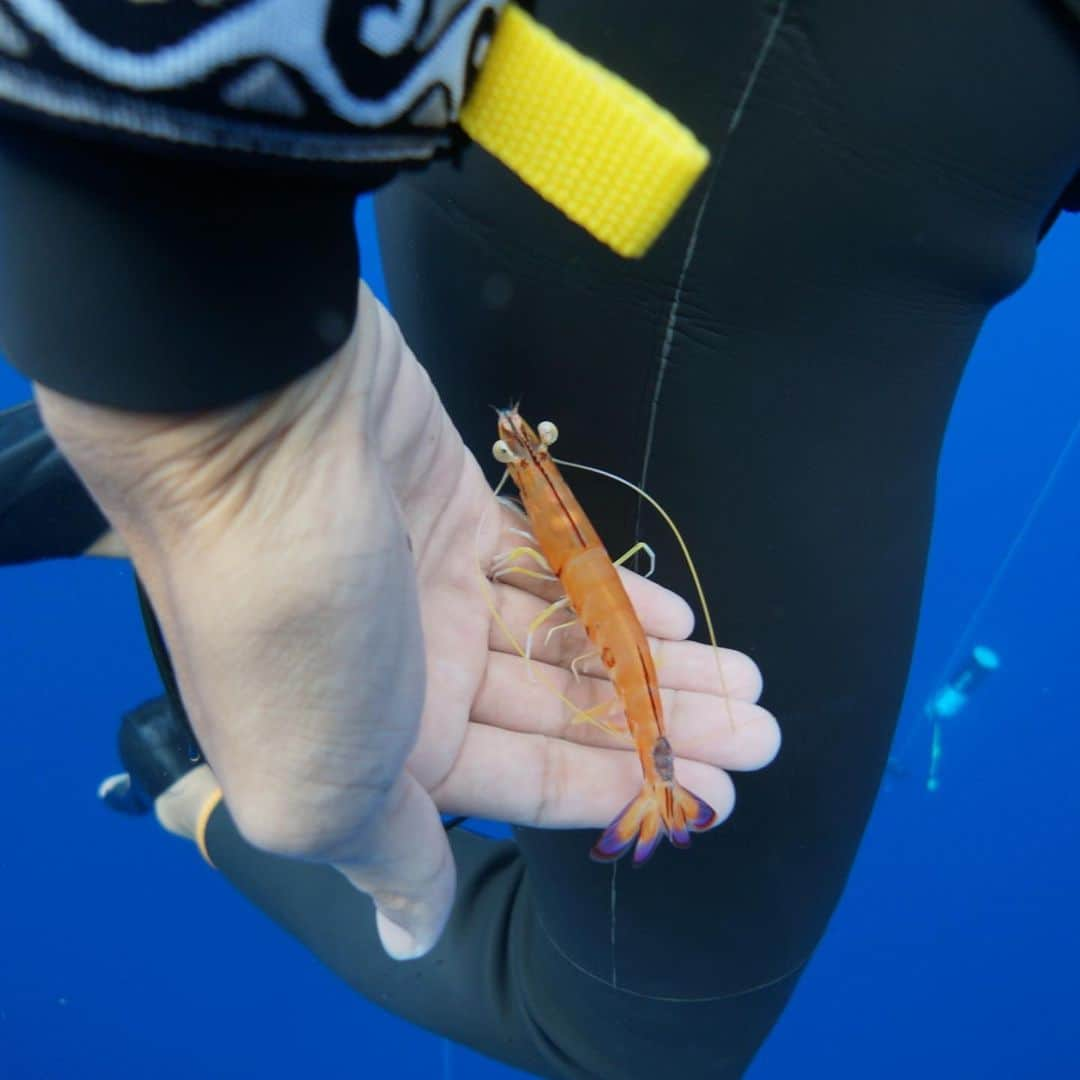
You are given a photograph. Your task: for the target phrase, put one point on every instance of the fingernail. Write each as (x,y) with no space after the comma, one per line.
(396,940)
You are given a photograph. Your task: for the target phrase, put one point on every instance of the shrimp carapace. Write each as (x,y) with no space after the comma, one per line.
(571,547)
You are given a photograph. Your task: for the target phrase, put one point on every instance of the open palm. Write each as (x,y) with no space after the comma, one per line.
(316,558)
(498,738)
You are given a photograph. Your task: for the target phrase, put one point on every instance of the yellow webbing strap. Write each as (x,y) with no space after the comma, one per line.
(602,152)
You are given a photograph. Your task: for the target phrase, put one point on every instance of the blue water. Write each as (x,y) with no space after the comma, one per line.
(951,954)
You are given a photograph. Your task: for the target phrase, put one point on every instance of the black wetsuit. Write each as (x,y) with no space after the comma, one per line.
(780,370)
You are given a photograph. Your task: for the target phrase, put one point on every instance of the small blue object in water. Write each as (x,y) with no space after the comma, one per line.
(952,697)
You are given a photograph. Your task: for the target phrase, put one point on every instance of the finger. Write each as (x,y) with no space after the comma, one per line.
(680,665)
(691,665)
(550,783)
(511,530)
(725,732)
(742,738)
(403,862)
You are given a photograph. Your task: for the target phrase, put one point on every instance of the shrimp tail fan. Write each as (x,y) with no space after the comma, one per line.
(661,809)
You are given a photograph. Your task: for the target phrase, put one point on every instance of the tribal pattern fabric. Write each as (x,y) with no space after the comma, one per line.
(334,81)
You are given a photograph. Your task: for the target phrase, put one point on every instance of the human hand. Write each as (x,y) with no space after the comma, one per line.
(274,541)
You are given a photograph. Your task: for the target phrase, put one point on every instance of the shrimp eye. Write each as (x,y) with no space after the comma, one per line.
(503,454)
(547,431)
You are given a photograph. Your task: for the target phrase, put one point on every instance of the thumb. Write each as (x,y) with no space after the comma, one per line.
(405,865)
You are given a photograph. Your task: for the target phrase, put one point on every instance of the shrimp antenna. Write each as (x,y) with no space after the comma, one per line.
(689,565)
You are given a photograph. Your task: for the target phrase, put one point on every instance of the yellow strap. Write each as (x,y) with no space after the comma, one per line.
(603,152)
(201,823)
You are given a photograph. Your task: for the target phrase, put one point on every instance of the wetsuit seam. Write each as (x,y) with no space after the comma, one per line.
(691,245)
(667,343)
(668,997)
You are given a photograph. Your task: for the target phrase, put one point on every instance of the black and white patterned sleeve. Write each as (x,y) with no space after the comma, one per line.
(177,180)
(312,81)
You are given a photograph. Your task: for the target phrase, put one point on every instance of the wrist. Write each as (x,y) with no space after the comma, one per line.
(159,476)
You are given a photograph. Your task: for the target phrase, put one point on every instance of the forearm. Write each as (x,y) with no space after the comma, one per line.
(240,573)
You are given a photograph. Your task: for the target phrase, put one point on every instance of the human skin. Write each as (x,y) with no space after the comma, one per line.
(314,557)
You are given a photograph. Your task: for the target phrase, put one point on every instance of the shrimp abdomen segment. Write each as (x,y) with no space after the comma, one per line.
(597,595)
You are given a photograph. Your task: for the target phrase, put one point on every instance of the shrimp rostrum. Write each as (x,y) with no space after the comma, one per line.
(595,593)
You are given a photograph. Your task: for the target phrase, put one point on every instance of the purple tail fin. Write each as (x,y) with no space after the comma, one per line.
(661,810)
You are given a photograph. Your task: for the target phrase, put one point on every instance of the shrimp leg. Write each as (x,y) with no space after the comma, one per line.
(592,715)
(544,574)
(550,610)
(590,655)
(523,570)
(521,552)
(596,715)
(561,626)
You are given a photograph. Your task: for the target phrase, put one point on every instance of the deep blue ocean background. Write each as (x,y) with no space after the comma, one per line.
(952,954)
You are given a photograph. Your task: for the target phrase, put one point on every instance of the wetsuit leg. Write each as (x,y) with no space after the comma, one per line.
(494,982)
(779,370)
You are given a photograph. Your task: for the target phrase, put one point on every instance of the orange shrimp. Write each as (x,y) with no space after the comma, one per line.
(594,592)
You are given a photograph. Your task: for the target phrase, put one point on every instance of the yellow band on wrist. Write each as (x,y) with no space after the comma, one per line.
(586,140)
